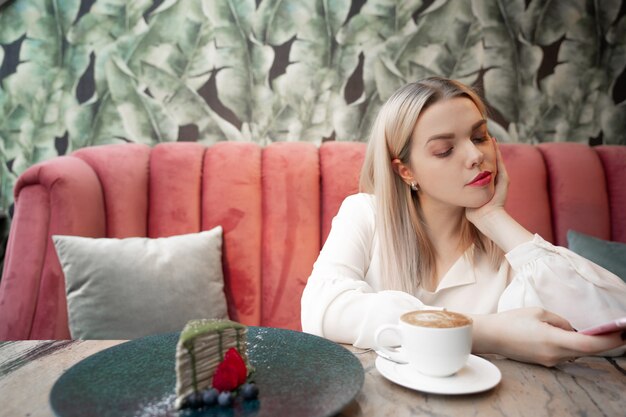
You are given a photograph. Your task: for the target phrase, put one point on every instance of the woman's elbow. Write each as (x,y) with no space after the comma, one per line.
(309,317)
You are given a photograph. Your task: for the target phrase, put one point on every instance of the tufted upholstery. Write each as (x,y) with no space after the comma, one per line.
(274,203)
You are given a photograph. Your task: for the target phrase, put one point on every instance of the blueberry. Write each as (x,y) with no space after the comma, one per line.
(249,391)
(209,396)
(225,398)
(193,400)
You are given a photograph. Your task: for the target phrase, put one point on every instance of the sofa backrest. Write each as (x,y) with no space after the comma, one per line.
(275,205)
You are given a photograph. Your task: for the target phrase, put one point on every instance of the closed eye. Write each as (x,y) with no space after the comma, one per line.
(445,153)
(479,139)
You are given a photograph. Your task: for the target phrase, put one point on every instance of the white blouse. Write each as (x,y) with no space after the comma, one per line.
(344,299)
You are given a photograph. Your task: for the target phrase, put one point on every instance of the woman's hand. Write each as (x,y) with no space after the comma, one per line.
(475,215)
(537,336)
(491,218)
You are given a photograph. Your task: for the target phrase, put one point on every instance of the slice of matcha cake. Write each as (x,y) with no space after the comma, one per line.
(200,349)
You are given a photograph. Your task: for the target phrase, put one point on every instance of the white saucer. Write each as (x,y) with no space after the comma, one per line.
(476,376)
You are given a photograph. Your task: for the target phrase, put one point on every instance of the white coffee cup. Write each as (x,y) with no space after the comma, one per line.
(434,342)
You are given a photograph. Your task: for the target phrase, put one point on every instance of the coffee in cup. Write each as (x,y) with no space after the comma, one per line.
(442,319)
(434,342)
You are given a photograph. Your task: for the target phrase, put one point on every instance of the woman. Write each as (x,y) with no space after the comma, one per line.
(430,231)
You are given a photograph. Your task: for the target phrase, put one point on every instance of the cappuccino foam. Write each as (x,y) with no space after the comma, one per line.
(436,318)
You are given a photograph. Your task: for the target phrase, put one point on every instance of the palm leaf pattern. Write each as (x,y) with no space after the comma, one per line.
(77,73)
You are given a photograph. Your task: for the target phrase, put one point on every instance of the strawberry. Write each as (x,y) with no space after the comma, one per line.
(231,372)
(234,358)
(225,377)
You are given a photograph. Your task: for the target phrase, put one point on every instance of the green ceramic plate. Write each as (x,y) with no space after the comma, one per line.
(298,374)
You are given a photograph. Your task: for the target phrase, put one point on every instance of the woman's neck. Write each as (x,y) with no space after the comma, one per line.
(443,227)
(443,222)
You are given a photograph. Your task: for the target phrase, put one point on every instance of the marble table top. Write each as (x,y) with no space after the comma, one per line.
(587,387)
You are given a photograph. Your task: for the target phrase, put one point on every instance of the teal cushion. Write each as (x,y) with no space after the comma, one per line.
(609,255)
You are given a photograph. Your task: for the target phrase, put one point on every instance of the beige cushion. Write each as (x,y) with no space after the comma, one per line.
(128,288)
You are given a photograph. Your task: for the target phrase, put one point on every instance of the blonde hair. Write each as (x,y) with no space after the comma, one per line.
(408,256)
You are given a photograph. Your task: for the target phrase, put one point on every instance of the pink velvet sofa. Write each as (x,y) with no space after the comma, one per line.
(275,205)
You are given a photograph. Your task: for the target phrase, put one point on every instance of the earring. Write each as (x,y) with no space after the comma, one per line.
(414,187)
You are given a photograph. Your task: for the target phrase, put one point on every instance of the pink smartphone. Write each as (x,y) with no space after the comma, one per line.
(609,327)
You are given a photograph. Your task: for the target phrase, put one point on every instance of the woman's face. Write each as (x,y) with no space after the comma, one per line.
(453,159)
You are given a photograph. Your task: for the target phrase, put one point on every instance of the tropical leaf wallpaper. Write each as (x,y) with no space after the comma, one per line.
(77,73)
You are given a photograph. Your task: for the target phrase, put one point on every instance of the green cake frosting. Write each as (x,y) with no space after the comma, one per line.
(194,328)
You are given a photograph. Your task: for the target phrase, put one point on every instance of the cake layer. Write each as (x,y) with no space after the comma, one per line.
(201,348)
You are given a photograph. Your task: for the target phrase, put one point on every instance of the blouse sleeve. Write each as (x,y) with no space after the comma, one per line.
(563,282)
(337,303)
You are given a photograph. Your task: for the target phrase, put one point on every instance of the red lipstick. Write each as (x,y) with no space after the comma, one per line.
(481,179)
